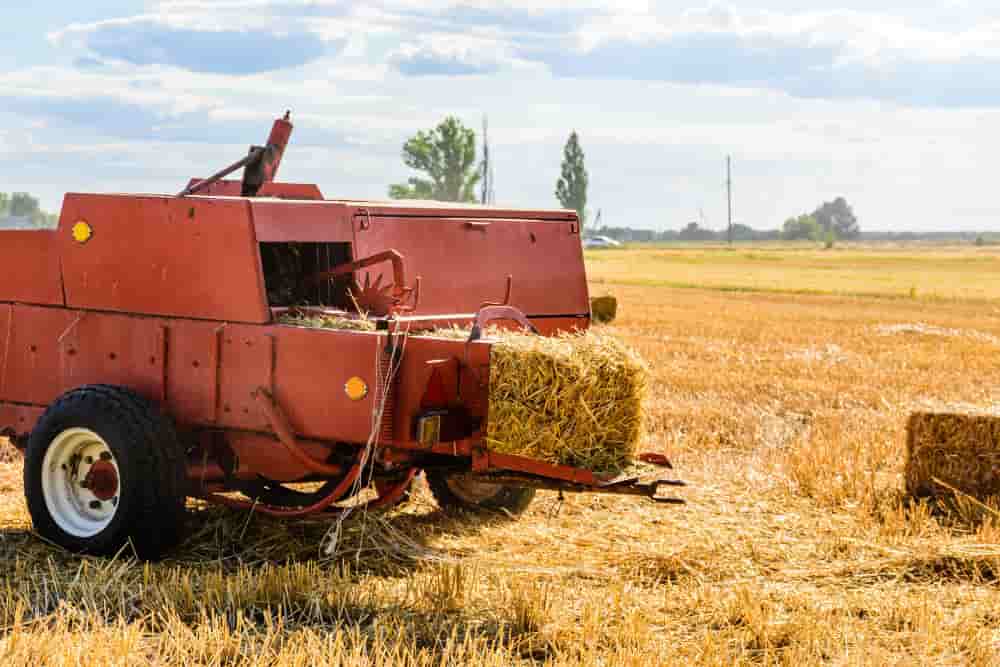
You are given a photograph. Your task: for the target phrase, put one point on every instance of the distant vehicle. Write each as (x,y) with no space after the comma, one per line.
(601,242)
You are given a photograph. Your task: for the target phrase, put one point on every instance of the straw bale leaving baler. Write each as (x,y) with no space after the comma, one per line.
(572,400)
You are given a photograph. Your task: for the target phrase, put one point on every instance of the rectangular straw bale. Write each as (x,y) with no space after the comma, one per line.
(960,449)
(573,400)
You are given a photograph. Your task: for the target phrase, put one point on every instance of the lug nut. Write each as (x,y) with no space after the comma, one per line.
(95,504)
(105,456)
(88,460)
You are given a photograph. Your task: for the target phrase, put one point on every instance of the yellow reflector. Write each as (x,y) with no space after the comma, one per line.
(355,388)
(82,232)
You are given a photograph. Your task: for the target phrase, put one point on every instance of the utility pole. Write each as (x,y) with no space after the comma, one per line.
(729,194)
(487,184)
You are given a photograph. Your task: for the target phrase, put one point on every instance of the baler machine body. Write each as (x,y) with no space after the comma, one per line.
(178,299)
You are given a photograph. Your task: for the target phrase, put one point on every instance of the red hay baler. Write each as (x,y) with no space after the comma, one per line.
(143,358)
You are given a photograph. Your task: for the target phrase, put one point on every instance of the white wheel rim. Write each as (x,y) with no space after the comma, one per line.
(68,469)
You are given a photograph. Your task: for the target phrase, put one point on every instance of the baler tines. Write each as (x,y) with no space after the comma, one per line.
(154,348)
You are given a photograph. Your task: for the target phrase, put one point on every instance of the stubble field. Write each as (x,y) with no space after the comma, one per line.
(781,395)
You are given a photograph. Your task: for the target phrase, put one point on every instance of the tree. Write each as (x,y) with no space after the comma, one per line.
(837,216)
(447,154)
(571,188)
(695,233)
(23,205)
(804,227)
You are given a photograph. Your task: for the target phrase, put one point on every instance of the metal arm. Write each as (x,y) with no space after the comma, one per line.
(259,166)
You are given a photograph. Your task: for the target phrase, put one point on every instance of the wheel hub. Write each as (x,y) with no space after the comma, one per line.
(102,480)
(80,482)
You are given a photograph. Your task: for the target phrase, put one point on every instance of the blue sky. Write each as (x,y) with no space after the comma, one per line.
(896,108)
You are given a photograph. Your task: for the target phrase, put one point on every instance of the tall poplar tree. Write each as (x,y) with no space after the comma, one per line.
(571,188)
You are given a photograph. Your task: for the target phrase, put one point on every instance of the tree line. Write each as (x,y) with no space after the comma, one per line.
(21,206)
(446,158)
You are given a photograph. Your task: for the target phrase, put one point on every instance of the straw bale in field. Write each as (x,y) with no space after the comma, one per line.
(962,450)
(573,400)
(604,308)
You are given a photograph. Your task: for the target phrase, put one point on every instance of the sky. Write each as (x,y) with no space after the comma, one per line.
(895,108)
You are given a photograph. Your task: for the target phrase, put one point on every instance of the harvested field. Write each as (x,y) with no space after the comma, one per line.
(786,413)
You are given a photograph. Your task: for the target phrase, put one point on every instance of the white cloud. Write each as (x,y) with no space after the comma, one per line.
(660,96)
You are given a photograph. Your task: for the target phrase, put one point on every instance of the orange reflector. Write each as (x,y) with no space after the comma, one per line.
(356,388)
(82,231)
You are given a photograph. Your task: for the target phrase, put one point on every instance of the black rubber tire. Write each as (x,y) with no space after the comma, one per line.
(150,511)
(511,500)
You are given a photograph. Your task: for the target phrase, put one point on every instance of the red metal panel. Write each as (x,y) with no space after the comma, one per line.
(123,350)
(550,326)
(30,265)
(246,364)
(313,367)
(436,209)
(306,191)
(184,257)
(463,262)
(192,368)
(264,455)
(6,332)
(33,367)
(19,419)
(415,372)
(279,221)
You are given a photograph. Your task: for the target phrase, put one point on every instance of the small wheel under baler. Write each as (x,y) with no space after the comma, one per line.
(104,468)
(462,493)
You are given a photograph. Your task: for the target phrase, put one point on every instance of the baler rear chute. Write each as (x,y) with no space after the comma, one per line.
(272,415)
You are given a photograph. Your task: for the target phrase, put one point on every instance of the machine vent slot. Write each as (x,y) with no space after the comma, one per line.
(288,268)
(386,428)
